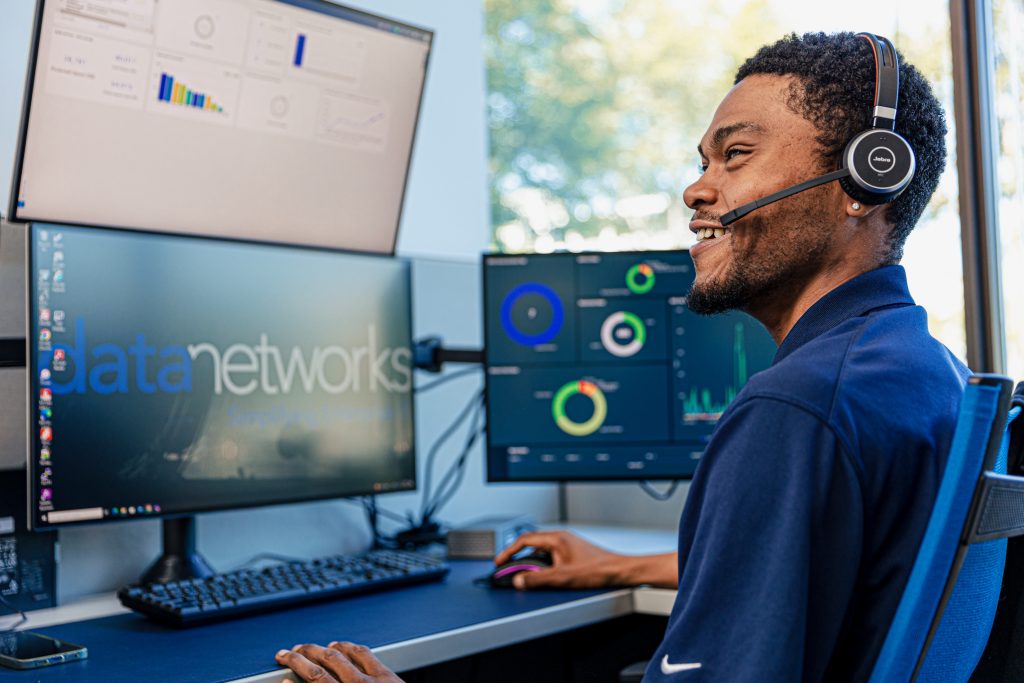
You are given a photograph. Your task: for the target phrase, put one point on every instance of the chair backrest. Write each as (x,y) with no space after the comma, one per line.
(933,584)
(968,616)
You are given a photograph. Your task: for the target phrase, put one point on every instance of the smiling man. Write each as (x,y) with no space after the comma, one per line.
(803,519)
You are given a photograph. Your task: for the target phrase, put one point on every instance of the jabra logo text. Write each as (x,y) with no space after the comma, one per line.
(884,160)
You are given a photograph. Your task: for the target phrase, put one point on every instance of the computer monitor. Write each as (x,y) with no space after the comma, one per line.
(597,370)
(274,120)
(173,375)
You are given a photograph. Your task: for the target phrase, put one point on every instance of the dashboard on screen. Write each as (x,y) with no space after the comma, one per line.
(277,120)
(173,375)
(596,368)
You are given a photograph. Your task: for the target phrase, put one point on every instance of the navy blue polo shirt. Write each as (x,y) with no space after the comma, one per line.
(806,511)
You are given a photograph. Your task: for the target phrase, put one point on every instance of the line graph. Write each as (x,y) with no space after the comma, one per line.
(354,120)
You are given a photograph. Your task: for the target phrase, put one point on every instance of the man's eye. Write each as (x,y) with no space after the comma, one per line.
(733,153)
(701,167)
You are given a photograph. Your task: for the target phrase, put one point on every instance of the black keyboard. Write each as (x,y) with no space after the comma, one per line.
(249,591)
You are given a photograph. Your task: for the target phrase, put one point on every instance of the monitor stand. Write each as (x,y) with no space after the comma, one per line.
(180,559)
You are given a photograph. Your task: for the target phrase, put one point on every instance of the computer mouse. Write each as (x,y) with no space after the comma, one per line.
(532,561)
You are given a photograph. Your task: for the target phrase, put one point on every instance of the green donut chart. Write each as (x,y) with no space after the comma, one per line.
(596,396)
(613,345)
(640,278)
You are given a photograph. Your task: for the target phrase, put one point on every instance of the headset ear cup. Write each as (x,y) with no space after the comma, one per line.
(881,165)
(854,191)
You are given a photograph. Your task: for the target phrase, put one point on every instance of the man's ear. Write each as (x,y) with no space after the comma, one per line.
(855,209)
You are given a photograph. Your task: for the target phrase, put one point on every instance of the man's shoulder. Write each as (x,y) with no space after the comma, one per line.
(881,360)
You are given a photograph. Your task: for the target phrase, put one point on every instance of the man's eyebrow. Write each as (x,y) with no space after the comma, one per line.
(722,133)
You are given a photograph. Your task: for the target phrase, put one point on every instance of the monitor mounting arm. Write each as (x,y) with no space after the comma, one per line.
(430,354)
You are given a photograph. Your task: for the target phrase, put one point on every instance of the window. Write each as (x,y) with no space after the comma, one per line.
(1008,20)
(595,108)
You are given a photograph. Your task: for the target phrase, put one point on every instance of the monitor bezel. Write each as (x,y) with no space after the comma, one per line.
(33,442)
(323,6)
(491,474)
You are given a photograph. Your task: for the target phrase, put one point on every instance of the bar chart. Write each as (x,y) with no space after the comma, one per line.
(175,92)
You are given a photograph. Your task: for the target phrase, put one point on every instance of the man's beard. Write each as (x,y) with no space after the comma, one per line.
(780,250)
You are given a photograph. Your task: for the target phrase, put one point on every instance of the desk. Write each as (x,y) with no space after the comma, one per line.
(407,628)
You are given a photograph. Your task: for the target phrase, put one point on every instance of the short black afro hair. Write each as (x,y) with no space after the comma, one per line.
(837,75)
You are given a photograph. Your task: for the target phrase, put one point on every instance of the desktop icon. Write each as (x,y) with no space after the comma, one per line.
(44,315)
(46,494)
(124,511)
(58,316)
(44,235)
(44,454)
(46,413)
(46,434)
(59,354)
(45,335)
(113,511)
(58,257)
(47,471)
(131,510)
(58,239)
(44,274)
(45,395)
(44,375)
(149,508)
(156,508)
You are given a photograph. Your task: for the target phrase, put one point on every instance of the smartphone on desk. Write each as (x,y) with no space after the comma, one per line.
(27,650)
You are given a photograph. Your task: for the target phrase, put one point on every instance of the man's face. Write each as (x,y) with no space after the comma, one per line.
(757,145)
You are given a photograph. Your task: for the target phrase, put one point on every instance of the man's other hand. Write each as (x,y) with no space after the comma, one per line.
(337,663)
(575,563)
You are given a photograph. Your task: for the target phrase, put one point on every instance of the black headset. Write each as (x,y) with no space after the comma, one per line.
(878,163)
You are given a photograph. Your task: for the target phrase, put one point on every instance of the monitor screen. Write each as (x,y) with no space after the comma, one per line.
(276,120)
(596,369)
(172,375)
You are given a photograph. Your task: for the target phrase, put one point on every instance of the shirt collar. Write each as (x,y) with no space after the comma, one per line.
(881,288)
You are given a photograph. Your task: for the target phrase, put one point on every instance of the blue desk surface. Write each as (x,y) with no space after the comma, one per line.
(130,647)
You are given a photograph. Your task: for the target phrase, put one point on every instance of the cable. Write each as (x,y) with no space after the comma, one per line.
(394,516)
(654,493)
(436,447)
(445,379)
(363,502)
(455,469)
(460,469)
(284,559)
(14,610)
(452,478)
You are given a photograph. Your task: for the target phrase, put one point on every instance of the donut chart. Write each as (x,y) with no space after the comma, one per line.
(544,336)
(591,391)
(611,327)
(640,278)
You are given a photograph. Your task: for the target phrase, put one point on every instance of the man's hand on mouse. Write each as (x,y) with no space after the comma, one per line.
(575,562)
(337,663)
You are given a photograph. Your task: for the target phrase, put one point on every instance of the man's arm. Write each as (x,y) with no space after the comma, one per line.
(772,532)
(580,564)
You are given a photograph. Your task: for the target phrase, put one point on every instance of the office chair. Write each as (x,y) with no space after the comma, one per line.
(948,606)
(945,615)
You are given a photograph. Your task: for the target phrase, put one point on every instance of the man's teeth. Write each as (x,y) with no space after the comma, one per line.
(708,233)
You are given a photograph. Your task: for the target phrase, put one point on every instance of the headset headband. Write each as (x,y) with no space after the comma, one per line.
(887,80)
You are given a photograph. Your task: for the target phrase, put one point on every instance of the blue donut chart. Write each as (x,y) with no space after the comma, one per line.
(557,314)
